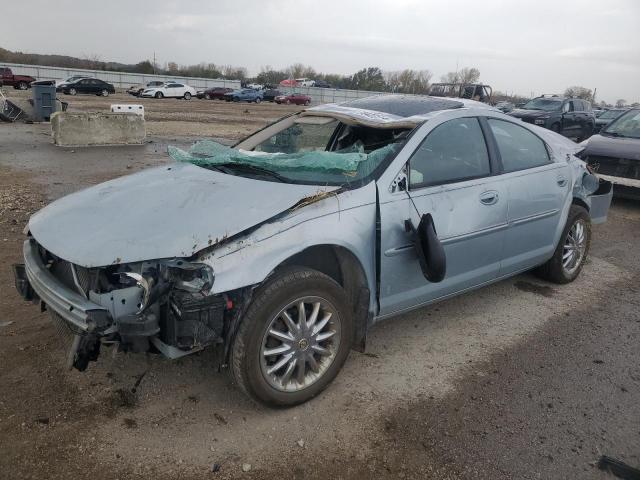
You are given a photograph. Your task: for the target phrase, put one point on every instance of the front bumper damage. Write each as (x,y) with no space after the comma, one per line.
(171,316)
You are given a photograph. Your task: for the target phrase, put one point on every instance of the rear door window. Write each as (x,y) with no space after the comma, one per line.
(519,148)
(453,151)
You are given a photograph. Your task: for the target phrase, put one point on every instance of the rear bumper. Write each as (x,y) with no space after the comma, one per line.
(70,305)
(601,201)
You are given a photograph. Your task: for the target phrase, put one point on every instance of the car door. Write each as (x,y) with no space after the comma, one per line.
(568,119)
(451,176)
(537,188)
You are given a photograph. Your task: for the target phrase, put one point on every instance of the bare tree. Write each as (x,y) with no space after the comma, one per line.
(463,76)
(621,102)
(579,92)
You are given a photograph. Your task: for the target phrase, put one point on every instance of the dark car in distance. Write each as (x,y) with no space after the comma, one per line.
(91,86)
(571,117)
(614,154)
(270,94)
(606,117)
(295,98)
(214,93)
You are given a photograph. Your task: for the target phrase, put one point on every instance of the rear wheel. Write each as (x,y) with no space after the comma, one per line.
(187,96)
(307,102)
(236,99)
(73,91)
(207,96)
(258,99)
(23,85)
(159,95)
(105,93)
(288,102)
(293,339)
(572,250)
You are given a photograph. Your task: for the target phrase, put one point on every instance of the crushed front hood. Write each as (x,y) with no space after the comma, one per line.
(169,211)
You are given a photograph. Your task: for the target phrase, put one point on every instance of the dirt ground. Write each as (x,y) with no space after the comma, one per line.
(519,380)
(171,117)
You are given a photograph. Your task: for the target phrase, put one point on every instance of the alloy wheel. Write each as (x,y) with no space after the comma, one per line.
(574,247)
(300,344)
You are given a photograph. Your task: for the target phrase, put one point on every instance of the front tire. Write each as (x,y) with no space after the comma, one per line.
(187,96)
(73,91)
(572,250)
(105,93)
(555,128)
(23,86)
(294,338)
(258,100)
(159,95)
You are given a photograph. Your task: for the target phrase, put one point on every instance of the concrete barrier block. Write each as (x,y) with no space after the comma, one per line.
(83,129)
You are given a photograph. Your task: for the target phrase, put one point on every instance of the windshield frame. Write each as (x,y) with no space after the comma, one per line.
(255,138)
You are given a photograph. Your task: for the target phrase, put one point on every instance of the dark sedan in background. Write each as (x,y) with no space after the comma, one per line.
(214,93)
(294,98)
(92,86)
(270,94)
(571,117)
(615,154)
(606,117)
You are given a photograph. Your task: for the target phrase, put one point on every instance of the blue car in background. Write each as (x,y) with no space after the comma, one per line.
(244,95)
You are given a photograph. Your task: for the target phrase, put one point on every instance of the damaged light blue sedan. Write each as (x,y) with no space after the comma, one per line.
(284,250)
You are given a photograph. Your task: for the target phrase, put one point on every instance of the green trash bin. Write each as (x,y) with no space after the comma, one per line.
(44,100)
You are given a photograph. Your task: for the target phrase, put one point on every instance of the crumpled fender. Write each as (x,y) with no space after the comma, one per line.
(346,219)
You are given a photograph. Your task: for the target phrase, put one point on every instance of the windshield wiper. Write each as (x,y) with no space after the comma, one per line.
(248,168)
(614,134)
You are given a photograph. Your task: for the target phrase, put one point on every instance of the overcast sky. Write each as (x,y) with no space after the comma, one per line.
(520,46)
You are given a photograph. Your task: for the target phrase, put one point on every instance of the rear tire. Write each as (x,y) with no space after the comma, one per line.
(159,95)
(73,91)
(258,100)
(575,240)
(307,103)
(23,86)
(187,96)
(250,361)
(105,93)
(207,97)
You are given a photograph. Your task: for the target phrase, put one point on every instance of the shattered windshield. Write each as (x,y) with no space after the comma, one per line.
(312,150)
(546,104)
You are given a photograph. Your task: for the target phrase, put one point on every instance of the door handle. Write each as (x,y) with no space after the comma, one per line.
(562,181)
(489,198)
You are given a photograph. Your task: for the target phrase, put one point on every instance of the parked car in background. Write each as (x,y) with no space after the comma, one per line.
(295,98)
(214,93)
(505,107)
(285,264)
(60,84)
(305,82)
(244,95)
(270,94)
(471,91)
(170,90)
(255,86)
(606,117)
(598,111)
(289,82)
(571,117)
(91,86)
(19,82)
(614,153)
(136,90)
(322,84)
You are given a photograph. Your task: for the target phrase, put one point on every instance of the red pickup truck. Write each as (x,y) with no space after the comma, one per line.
(21,82)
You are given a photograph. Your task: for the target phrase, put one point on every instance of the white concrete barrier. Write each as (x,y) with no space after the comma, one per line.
(128,108)
(86,129)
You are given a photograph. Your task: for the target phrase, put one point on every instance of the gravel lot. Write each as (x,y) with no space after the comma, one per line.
(521,379)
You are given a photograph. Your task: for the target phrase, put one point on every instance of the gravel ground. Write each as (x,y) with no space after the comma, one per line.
(171,117)
(521,379)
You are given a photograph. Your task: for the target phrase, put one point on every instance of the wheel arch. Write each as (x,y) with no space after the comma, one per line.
(343,266)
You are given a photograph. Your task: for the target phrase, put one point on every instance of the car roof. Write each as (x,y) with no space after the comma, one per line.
(403,105)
